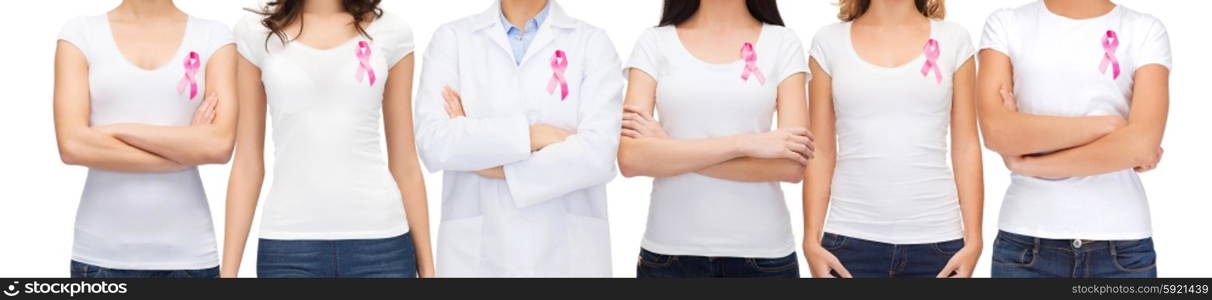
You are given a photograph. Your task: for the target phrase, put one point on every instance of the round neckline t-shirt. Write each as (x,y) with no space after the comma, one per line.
(143,221)
(331,177)
(893,183)
(693,214)
(1057,72)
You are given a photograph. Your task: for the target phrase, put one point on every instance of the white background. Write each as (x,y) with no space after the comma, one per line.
(38,194)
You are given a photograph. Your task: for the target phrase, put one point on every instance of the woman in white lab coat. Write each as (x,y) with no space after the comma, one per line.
(520,106)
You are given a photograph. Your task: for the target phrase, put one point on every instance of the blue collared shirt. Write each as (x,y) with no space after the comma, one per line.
(519,39)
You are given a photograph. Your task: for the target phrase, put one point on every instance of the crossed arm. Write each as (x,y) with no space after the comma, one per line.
(780,155)
(132,147)
(1076,146)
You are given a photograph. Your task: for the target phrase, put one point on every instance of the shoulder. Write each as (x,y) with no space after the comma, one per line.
(1141,21)
(250,26)
(1007,15)
(830,33)
(82,23)
(952,31)
(210,25)
(392,25)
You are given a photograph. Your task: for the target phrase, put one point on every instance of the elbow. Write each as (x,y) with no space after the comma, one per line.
(629,166)
(69,155)
(220,153)
(1145,154)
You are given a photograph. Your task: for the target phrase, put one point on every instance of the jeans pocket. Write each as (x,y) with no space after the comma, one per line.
(1133,256)
(774,265)
(1013,253)
(83,270)
(833,242)
(948,248)
(654,260)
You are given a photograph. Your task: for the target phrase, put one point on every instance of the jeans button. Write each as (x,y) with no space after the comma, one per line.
(1077,243)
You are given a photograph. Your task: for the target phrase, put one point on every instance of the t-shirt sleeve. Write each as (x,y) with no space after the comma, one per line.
(252,39)
(818,49)
(791,59)
(964,49)
(646,55)
(1155,46)
(76,33)
(995,35)
(395,39)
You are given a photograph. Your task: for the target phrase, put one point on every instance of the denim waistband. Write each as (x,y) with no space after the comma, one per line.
(1067,244)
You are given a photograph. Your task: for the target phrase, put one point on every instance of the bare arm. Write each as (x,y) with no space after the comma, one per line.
(1137,144)
(80,144)
(1013,133)
(248,170)
(197,144)
(819,175)
(792,113)
(663,157)
(967,165)
(402,160)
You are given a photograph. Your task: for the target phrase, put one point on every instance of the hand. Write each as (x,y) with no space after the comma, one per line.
(426,273)
(543,135)
(226,274)
(789,143)
(638,124)
(205,114)
(962,263)
(1153,164)
(821,262)
(454,102)
(1008,99)
(498,173)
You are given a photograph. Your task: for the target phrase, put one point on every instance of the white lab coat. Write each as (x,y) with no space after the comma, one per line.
(548,218)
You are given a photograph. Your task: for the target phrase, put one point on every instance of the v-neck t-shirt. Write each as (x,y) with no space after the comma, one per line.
(144,221)
(1057,72)
(693,214)
(893,183)
(331,179)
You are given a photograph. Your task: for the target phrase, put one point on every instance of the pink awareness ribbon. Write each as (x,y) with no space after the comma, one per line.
(931,51)
(1110,44)
(363,53)
(192,63)
(559,63)
(751,68)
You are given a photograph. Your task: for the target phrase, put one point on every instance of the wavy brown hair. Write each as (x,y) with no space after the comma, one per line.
(853,9)
(281,13)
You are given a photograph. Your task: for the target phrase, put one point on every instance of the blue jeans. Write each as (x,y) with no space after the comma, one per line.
(870,259)
(83,270)
(653,265)
(1017,255)
(371,258)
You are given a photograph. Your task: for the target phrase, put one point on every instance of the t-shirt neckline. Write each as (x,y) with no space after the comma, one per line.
(849,41)
(762,33)
(189,27)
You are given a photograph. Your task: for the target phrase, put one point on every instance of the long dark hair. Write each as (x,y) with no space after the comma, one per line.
(678,11)
(281,13)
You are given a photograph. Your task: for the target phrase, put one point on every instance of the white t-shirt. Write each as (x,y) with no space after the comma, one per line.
(692,214)
(331,178)
(143,221)
(892,183)
(1056,72)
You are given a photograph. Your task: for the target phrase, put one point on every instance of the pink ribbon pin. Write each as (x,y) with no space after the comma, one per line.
(751,67)
(931,51)
(192,63)
(559,63)
(1110,44)
(364,69)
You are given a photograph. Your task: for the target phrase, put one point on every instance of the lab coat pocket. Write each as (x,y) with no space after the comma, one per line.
(590,243)
(459,247)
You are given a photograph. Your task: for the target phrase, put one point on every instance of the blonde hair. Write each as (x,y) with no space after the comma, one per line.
(852,9)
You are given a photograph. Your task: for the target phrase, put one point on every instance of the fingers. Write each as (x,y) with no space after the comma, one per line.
(796,156)
(631,133)
(454,103)
(803,140)
(952,267)
(800,150)
(636,110)
(841,270)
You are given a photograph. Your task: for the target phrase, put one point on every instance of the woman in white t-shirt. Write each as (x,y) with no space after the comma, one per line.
(331,73)
(891,80)
(1073,95)
(143,95)
(717,72)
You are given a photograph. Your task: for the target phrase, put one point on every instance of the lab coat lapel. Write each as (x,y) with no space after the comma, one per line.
(489,23)
(548,31)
